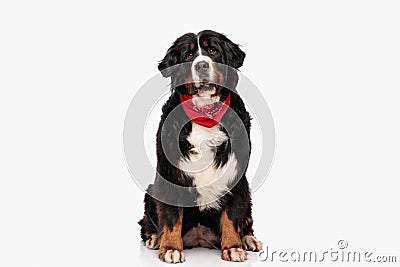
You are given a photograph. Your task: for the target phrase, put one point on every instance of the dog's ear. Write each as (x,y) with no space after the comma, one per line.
(235,56)
(170,59)
(175,54)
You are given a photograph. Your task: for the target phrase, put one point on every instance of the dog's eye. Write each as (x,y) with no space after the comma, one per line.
(189,56)
(212,51)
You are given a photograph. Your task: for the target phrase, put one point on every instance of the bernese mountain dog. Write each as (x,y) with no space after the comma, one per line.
(203,145)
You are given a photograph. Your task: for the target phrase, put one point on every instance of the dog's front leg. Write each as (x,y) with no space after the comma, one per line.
(231,244)
(170,233)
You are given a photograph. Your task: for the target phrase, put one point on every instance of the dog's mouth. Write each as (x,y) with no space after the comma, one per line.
(204,88)
(204,92)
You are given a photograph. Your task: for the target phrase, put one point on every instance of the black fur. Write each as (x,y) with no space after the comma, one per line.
(237,203)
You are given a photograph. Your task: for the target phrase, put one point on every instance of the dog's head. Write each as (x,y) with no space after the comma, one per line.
(197,65)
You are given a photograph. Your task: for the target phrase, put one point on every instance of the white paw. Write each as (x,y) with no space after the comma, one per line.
(251,243)
(233,254)
(152,242)
(173,256)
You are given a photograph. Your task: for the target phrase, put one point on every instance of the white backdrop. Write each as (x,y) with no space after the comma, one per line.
(68,71)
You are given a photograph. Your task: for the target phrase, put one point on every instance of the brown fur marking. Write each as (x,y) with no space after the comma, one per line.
(230,236)
(147,234)
(171,239)
(189,85)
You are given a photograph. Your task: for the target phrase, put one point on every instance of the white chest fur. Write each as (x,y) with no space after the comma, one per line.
(211,182)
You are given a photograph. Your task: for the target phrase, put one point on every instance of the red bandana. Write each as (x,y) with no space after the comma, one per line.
(208,115)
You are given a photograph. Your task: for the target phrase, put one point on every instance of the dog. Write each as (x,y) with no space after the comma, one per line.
(204,119)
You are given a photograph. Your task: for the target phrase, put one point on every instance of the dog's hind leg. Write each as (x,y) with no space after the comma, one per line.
(148,224)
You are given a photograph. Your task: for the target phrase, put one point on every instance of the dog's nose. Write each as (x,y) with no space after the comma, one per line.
(202,67)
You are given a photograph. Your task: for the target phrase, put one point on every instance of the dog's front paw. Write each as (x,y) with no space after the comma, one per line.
(251,243)
(233,254)
(152,242)
(171,256)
